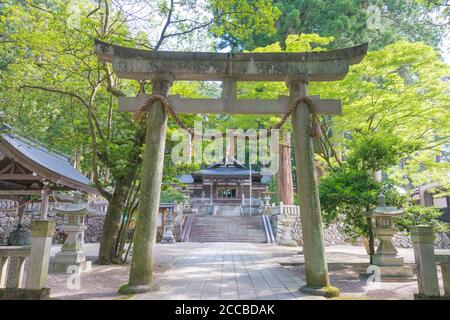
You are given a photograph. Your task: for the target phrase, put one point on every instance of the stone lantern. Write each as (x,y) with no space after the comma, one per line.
(386,256)
(72,253)
(186,201)
(168,234)
(265,204)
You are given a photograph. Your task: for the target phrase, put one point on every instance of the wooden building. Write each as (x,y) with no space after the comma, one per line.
(27,168)
(227,183)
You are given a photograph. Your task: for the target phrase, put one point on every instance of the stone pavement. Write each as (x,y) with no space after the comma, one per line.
(225,270)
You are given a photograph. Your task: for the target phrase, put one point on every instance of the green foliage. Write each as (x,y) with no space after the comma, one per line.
(397,92)
(345,195)
(373,151)
(418,215)
(242,19)
(440,9)
(348,192)
(170,195)
(379,22)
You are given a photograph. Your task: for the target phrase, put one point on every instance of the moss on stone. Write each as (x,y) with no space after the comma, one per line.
(331,292)
(130,289)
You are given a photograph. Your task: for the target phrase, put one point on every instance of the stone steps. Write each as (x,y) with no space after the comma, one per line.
(228,229)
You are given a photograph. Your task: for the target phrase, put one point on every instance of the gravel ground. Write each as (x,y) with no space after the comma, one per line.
(347,265)
(353,284)
(102,282)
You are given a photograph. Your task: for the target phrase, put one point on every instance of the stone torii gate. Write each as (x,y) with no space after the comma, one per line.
(296,69)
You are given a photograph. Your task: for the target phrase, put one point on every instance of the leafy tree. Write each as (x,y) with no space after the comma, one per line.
(348,193)
(399,91)
(345,195)
(170,195)
(440,9)
(418,215)
(374,151)
(379,22)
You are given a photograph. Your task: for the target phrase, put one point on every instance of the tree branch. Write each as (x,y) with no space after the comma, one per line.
(166,25)
(111,86)
(71,94)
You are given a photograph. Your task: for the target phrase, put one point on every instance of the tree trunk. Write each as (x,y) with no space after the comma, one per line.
(111,226)
(285,184)
(77,158)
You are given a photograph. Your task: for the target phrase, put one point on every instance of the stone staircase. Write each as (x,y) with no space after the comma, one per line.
(228,229)
(227,210)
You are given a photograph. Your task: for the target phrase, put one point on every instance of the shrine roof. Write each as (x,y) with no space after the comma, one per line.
(39,162)
(227,170)
(224,169)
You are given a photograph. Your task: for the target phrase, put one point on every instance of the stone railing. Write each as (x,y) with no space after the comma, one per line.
(8,205)
(287,210)
(11,206)
(12,262)
(426,260)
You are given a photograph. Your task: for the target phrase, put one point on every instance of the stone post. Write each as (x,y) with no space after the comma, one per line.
(41,243)
(15,272)
(3,267)
(423,241)
(141,270)
(314,250)
(444,260)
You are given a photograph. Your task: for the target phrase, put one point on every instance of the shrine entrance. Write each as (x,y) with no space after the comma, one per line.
(296,69)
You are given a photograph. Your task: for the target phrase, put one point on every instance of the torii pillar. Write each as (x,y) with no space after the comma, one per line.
(316,268)
(294,68)
(141,269)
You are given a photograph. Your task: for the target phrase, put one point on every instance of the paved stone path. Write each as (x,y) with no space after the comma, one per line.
(223,271)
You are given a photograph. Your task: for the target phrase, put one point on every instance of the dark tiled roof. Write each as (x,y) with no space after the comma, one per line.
(186,178)
(266,179)
(46,163)
(231,168)
(227,171)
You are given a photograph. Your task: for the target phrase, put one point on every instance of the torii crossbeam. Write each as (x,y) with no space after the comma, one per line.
(296,69)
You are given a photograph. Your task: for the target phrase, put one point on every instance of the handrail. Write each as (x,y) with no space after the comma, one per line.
(268,239)
(187,228)
(269,225)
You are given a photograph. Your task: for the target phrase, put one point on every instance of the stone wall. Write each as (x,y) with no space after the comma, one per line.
(289,227)
(8,223)
(285,227)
